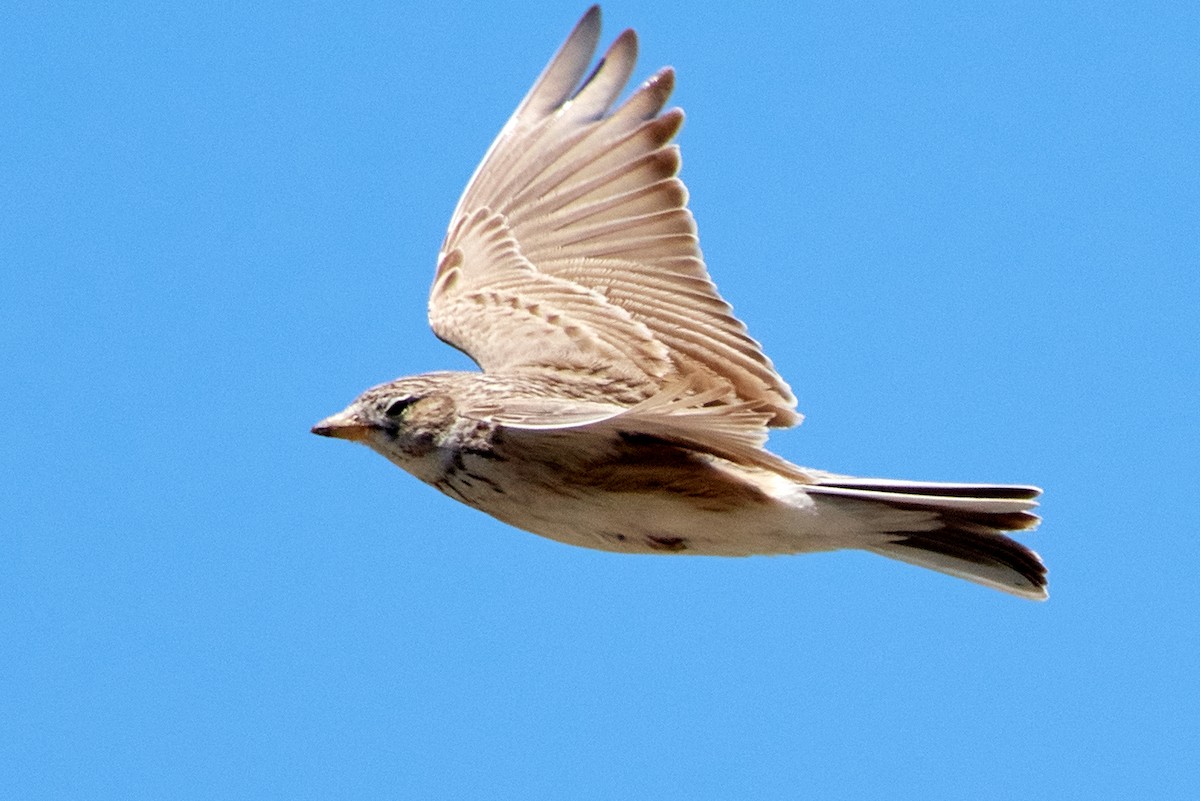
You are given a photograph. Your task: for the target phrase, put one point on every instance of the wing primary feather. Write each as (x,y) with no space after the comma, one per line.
(604,85)
(585,155)
(566,69)
(553,87)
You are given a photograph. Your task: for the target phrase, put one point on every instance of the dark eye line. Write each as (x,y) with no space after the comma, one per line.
(397,407)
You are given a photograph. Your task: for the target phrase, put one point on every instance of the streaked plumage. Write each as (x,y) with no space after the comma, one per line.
(622,405)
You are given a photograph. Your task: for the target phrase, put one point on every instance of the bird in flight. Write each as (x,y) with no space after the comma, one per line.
(621,405)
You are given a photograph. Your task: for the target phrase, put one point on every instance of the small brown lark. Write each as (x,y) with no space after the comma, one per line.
(621,405)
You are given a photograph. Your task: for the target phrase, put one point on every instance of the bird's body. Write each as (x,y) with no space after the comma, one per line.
(622,406)
(595,486)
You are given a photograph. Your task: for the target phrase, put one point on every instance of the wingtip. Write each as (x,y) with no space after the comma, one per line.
(590,19)
(627,39)
(663,81)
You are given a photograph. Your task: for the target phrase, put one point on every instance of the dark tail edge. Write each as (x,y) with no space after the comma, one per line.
(987,558)
(970,543)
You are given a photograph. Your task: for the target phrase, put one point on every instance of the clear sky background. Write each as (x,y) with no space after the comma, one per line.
(966,233)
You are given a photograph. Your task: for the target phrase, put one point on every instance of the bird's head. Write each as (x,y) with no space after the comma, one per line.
(403,419)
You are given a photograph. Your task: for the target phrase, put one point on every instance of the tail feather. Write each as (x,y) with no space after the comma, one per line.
(952,528)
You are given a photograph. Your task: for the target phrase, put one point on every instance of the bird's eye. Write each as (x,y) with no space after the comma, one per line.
(397,407)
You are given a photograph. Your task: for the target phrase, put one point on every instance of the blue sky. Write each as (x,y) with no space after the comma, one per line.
(966,234)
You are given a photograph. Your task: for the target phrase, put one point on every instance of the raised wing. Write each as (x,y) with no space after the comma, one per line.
(572,247)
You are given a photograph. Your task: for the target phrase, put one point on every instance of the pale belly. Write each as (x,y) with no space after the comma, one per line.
(642,518)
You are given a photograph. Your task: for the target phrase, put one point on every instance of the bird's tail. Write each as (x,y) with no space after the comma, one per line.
(952,528)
